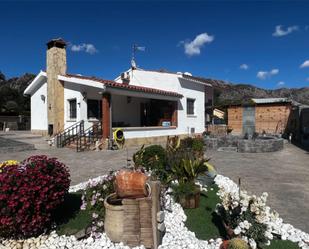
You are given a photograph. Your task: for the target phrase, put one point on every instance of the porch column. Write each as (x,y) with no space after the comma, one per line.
(174,115)
(106,122)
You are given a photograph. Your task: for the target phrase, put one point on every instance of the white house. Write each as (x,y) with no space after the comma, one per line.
(146,104)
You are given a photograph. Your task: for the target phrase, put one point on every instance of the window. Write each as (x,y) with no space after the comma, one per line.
(72,108)
(94,109)
(190,106)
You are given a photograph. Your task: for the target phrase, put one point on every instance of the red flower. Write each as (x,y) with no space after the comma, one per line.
(29,192)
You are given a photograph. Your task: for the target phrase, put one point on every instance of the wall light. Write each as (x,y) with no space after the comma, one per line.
(43,98)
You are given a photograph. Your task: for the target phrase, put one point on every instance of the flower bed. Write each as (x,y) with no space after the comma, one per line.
(177,234)
(184,173)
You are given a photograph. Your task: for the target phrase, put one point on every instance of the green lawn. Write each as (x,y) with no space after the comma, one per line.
(69,218)
(281,244)
(203,220)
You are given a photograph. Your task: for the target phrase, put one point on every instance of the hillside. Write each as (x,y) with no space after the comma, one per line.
(12,101)
(228,93)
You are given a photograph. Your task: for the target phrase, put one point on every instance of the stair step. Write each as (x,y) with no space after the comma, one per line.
(228,149)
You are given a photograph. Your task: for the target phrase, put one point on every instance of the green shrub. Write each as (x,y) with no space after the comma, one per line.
(237,243)
(152,158)
(194,147)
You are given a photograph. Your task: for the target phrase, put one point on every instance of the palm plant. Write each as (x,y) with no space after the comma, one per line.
(188,170)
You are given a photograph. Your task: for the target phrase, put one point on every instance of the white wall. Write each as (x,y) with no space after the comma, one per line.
(39,109)
(176,83)
(150,132)
(73,90)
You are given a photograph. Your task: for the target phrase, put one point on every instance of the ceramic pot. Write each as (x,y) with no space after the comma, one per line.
(131,184)
(225,244)
(114,218)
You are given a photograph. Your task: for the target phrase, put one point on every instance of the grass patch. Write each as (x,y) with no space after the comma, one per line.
(281,244)
(203,220)
(68,216)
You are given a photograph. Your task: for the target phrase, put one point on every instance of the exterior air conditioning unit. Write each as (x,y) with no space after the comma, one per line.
(125,77)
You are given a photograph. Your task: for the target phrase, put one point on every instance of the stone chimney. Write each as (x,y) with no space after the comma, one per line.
(56,65)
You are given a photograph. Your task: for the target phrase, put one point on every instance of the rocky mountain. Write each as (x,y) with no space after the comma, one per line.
(12,101)
(228,93)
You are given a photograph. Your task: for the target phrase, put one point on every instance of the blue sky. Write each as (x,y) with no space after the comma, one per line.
(206,38)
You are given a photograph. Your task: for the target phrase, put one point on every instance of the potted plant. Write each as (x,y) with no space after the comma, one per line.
(186,192)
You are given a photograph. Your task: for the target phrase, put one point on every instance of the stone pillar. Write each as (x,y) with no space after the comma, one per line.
(55,65)
(106,115)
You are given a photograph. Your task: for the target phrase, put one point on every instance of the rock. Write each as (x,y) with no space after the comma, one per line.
(80,234)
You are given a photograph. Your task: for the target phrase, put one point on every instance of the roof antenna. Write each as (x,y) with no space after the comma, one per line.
(135,48)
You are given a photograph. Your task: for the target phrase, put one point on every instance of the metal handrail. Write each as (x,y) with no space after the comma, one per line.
(89,136)
(70,134)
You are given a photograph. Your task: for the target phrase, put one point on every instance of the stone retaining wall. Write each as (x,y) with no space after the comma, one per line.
(244,145)
(260,145)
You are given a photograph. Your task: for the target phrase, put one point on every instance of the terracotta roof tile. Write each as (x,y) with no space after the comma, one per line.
(114,84)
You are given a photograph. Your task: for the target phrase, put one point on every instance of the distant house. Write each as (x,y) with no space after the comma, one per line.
(269,115)
(146,104)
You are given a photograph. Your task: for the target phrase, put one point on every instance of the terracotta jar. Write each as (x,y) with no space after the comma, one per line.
(225,244)
(131,184)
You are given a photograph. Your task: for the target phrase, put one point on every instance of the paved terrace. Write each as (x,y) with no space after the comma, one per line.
(284,174)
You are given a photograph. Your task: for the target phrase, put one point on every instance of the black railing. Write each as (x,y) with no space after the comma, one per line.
(70,134)
(89,137)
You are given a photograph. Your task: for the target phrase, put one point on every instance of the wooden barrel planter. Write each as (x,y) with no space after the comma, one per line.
(190,201)
(114,216)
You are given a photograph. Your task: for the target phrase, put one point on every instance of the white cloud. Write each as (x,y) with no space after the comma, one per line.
(281,32)
(305,64)
(194,47)
(244,67)
(281,83)
(267,74)
(84,47)
(274,71)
